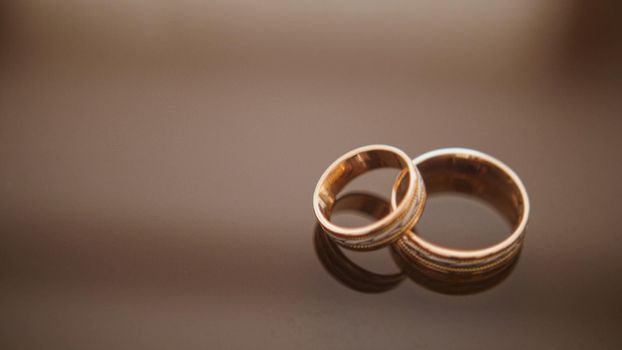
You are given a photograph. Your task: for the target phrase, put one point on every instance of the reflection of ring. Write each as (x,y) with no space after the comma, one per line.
(387,229)
(338,264)
(474,173)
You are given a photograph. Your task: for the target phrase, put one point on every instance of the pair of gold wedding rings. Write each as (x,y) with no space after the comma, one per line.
(444,170)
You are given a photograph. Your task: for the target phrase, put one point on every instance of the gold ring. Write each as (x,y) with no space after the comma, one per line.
(474,173)
(405,213)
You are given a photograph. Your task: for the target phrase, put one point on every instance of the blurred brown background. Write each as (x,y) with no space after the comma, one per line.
(157,161)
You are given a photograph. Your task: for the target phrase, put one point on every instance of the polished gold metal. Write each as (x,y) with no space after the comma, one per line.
(338,264)
(452,283)
(474,173)
(387,229)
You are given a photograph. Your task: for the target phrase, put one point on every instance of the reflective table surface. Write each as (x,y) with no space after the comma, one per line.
(136,215)
(169,205)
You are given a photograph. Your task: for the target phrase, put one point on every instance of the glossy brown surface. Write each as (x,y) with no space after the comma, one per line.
(156,176)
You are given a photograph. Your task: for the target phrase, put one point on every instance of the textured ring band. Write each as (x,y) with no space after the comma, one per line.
(475,173)
(402,218)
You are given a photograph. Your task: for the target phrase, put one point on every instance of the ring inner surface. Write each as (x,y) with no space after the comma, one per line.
(363,203)
(473,176)
(342,173)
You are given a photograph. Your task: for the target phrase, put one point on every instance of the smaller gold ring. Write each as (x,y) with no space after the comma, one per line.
(386,230)
(474,173)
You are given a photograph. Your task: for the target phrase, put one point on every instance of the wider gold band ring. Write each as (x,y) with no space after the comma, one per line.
(402,218)
(474,173)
